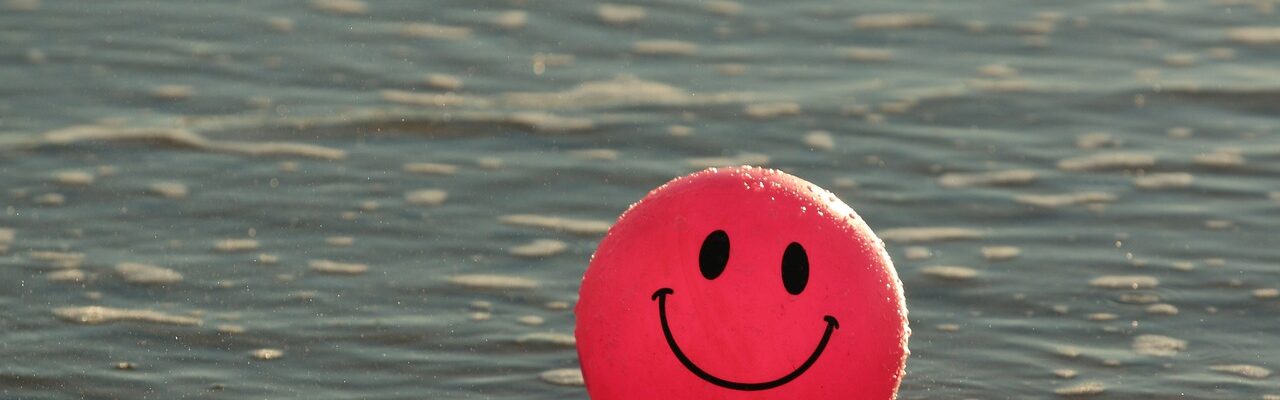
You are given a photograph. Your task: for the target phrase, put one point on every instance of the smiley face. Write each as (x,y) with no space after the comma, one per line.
(712,260)
(741,283)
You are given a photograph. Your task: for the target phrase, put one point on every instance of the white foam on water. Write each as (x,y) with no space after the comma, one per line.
(430,168)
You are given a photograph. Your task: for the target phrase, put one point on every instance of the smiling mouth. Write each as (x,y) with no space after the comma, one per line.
(661,297)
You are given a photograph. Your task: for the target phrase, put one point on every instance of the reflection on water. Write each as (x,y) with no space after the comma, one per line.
(392,199)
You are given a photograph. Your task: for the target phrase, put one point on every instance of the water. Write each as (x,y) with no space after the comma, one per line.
(1079,150)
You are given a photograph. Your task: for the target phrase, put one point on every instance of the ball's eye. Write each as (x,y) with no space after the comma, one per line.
(714,255)
(795,268)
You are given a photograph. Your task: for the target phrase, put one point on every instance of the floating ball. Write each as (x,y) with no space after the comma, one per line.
(741,283)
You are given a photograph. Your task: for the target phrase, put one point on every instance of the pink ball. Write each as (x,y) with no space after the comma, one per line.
(741,283)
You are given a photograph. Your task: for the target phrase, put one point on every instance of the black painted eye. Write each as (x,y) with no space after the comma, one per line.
(795,268)
(714,255)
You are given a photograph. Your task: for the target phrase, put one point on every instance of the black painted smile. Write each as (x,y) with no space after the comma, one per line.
(661,297)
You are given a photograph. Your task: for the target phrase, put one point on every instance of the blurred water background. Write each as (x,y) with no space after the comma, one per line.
(396,199)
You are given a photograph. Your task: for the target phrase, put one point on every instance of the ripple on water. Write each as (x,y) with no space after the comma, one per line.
(1064,199)
(267,354)
(665,47)
(67,276)
(93,315)
(563,377)
(169,190)
(426,30)
(928,234)
(1158,345)
(571,225)
(337,268)
(1164,180)
(1242,370)
(949,272)
(341,7)
(493,281)
(430,168)
(73,178)
(549,338)
(1000,253)
(1081,389)
(891,21)
(1256,35)
(540,248)
(235,245)
(994,178)
(147,274)
(616,14)
(755,159)
(426,197)
(1106,161)
(772,110)
(1125,282)
(7,235)
(820,140)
